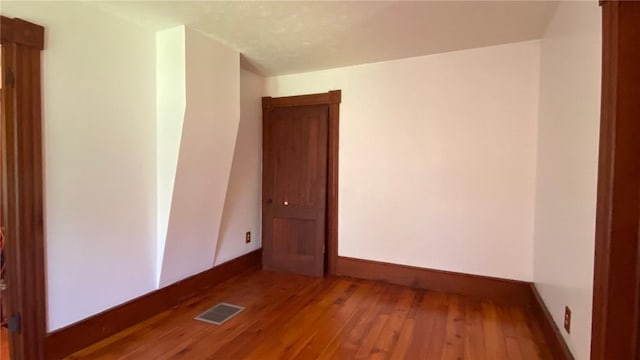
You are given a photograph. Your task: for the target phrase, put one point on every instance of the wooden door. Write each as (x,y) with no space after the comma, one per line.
(295,188)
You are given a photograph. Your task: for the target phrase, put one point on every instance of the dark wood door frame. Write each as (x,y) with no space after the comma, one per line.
(332,99)
(616,293)
(22,43)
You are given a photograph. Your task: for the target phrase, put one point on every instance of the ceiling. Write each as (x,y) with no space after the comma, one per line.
(278,38)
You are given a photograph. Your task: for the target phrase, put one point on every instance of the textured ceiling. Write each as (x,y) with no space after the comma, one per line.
(290,37)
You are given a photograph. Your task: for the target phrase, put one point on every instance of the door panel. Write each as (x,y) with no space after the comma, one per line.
(290,238)
(294,188)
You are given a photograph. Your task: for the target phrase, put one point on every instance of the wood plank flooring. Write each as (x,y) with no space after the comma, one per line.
(4,344)
(290,316)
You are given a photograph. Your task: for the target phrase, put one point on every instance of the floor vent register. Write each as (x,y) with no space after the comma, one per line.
(220,313)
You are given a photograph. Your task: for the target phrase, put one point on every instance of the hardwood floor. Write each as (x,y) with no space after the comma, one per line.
(4,343)
(290,316)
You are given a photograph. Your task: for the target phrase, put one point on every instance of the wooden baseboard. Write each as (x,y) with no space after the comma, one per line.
(502,291)
(552,335)
(511,292)
(77,336)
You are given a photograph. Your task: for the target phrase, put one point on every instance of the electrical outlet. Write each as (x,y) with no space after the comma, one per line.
(567,319)
(247,237)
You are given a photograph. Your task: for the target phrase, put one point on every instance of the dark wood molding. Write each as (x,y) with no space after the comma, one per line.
(499,290)
(616,293)
(332,99)
(74,337)
(553,337)
(266,104)
(332,181)
(502,291)
(335,97)
(18,31)
(22,185)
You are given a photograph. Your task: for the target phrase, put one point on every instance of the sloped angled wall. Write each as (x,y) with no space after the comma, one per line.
(171,101)
(243,208)
(209,129)
(114,121)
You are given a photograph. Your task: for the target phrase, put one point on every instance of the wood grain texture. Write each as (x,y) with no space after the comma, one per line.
(332,181)
(616,296)
(22,184)
(65,341)
(291,316)
(295,189)
(4,344)
(18,31)
(332,99)
(556,344)
(482,287)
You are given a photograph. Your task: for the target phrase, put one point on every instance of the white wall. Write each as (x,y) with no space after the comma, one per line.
(242,208)
(206,152)
(437,158)
(567,167)
(171,102)
(99,144)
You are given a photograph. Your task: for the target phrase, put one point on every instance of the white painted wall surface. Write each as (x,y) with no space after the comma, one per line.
(567,167)
(242,209)
(100,163)
(171,102)
(206,153)
(437,158)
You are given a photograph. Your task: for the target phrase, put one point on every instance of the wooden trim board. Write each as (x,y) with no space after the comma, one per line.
(22,186)
(615,327)
(503,291)
(331,97)
(553,337)
(21,32)
(482,287)
(77,336)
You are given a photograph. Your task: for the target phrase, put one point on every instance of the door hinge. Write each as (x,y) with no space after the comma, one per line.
(14,324)
(11,79)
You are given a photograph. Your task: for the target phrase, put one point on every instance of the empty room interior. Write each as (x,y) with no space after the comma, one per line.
(310,180)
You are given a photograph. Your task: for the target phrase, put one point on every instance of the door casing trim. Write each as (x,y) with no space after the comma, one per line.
(22,44)
(332,99)
(615,331)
